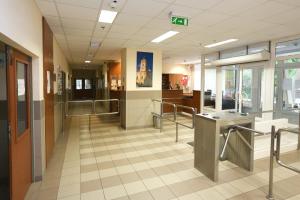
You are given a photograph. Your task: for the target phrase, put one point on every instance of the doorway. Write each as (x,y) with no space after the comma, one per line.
(19,116)
(4,138)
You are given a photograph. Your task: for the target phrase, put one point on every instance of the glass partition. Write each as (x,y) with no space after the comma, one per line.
(210,86)
(229,87)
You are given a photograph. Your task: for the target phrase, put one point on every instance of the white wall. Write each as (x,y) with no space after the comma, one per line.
(169,68)
(129,65)
(21,27)
(196,77)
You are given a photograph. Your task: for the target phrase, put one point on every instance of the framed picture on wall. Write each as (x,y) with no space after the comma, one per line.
(144,69)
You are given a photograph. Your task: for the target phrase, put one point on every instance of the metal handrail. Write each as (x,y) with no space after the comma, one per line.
(276,153)
(107,100)
(78,101)
(93,113)
(194,111)
(175,106)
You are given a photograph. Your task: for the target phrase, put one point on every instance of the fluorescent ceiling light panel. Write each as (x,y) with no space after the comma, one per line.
(164,36)
(107,16)
(221,43)
(87,61)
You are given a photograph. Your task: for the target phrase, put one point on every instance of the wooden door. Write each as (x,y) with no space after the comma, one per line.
(48,89)
(19,92)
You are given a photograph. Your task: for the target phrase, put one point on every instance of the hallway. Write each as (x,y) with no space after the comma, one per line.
(111,163)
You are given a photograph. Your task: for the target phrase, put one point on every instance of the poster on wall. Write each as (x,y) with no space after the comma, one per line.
(144,69)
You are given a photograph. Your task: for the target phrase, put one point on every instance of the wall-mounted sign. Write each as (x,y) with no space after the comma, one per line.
(182,21)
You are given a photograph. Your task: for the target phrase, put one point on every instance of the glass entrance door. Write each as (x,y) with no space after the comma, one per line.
(287,89)
(250,93)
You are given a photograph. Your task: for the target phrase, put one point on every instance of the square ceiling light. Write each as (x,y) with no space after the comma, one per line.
(107,16)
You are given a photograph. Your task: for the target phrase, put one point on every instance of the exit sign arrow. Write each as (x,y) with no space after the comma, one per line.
(181,21)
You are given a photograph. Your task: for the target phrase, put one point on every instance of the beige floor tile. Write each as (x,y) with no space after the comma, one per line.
(68,190)
(93,195)
(70,179)
(111,181)
(114,192)
(147,173)
(89,176)
(129,177)
(227,190)
(153,183)
(192,196)
(170,179)
(162,193)
(73,197)
(135,187)
(209,194)
(242,185)
(90,186)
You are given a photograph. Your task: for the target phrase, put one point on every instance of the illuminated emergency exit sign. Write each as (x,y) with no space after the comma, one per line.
(181,21)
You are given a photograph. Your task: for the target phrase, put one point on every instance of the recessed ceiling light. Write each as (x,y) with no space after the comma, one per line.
(221,43)
(280,46)
(107,16)
(87,61)
(164,36)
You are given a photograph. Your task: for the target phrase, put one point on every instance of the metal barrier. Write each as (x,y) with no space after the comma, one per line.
(235,129)
(93,107)
(276,135)
(162,115)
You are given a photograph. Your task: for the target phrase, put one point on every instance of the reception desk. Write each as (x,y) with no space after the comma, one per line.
(209,140)
(178,97)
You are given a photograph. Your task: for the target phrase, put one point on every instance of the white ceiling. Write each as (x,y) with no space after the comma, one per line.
(75,24)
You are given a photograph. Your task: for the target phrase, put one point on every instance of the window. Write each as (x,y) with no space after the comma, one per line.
(259,47)
(87,84)
(288,48)
(78,84)
(230,53)
(22,102)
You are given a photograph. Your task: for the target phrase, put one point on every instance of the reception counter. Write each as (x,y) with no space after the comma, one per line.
(178,97)
(209,140)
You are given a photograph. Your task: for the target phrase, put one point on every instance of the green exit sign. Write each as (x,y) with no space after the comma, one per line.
(182,21)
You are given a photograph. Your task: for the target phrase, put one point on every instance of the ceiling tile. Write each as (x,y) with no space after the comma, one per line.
(77,12)
(266,10)
(148,8)
(53,21)
(131,19)
(78,32)
(202,4)
(232,7)
(179,10)
(47,7)
(78,24)
(208,18)
(86,3)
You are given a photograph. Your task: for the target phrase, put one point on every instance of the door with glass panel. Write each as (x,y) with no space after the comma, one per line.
(287,89)
(250,92)
(20,126)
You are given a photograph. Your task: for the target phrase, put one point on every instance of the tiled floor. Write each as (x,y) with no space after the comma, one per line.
(110,163)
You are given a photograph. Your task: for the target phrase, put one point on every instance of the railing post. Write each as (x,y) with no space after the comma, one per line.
(299,136)
(161,116)
(90,123)
(272,153)
(176,132)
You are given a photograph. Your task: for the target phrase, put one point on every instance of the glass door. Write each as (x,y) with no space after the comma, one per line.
(287,89)
(250,93)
